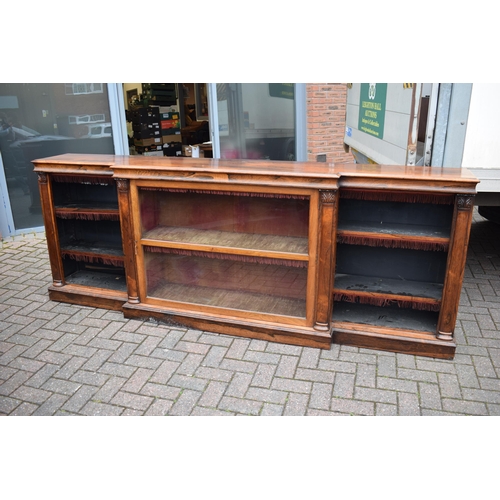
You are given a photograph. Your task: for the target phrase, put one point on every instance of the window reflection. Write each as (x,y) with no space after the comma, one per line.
(256,120)
(45,119)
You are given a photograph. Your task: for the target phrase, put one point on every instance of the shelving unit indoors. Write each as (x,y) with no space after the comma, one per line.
(300,253)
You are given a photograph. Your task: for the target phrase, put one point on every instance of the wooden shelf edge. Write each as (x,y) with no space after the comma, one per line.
(86,296)
(305,337)
(351,237)
(398,341)
(384,299)
(190,247)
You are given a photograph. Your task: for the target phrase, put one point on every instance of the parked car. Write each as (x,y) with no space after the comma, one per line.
(97,130)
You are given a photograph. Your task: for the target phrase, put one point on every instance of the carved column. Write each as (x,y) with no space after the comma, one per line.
(326,254)
(457,256)
(128,240)
(51,233)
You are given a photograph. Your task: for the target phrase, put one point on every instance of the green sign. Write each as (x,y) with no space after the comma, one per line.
(284,90)
(372,108)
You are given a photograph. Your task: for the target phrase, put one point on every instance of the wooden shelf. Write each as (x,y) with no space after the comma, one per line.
(90,212)
(287,247)
(394,235)
(98,279)
(385,291)
(384,317)
(231,299)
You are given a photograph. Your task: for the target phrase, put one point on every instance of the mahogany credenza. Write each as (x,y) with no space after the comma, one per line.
(295,252)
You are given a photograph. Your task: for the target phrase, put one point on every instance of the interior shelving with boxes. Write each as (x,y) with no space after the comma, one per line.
(299,253)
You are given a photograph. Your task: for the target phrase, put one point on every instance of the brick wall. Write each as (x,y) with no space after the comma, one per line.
(326,110)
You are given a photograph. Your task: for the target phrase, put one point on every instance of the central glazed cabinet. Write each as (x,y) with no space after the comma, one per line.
(299,253)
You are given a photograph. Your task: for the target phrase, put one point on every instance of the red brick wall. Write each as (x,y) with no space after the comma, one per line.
(326,110)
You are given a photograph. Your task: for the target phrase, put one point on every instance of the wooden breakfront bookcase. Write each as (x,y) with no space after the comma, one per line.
(294,252)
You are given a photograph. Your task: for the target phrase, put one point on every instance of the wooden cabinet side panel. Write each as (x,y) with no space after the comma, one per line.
(128,242)
(457,255)
(51,233)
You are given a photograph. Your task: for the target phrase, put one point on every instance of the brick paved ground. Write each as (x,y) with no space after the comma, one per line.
(60,359)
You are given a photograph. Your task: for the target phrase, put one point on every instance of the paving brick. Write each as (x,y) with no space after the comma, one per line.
(484,367)
(134,401)
(375,395)
(408,404)
(42,375)
(215,339)
(238,366)
(309,358)
(137,380)
(263,376)
(290,385)
(271,410)
(464,407)
(287,366)
(386,366)
(386,410)
(238,348)
(148,346)
(24,409)
(366,375)
(213,394)
(239,385)
(351,407)
(61,386)
(160,391)
(481,395)
(143,361)
(164,372)
(215,356)
(266,395)
(70,367)
(344,385)
(417,375)
(26,364)
(467,376)
(395,384)
(97,360)
(159,407)
(321,395)
(429,396)
(50,406)
(109,389)
(30,394)
(100,409)
(123,352)
(213,374)
(314,375)
(7,405)
(89,378)
(200,411)
(117,369)
(190,364)
(80,398)
(241,406)
(449,386)
(185,403)
(337,366)
(192,383)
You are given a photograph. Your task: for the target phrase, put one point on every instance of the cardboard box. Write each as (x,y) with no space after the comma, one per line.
(148,149)
(166,124)
(173,115)
(148,142)
(142,114)
(147,134)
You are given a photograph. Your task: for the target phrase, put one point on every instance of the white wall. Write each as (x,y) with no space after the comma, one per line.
(483,127)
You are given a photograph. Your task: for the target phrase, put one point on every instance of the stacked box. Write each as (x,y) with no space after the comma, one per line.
(147,130)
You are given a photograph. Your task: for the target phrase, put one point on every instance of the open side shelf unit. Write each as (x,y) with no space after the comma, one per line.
(293,252)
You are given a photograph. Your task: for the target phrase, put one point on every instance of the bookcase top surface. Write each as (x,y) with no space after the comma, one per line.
(129,166)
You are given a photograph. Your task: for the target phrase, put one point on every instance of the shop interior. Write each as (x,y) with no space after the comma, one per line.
(167,119)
